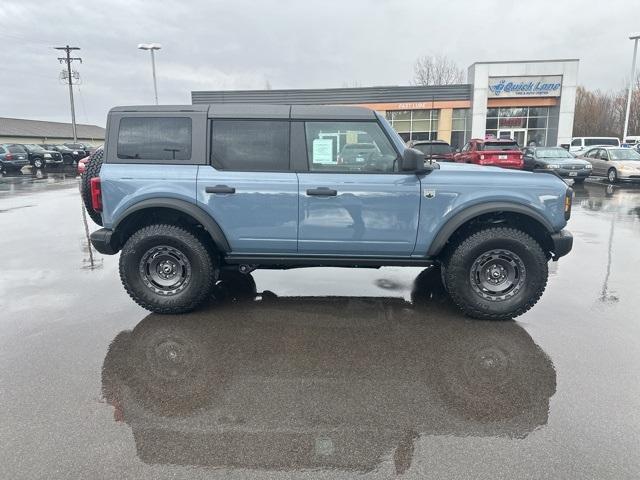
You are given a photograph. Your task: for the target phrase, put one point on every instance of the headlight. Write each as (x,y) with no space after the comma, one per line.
(552,165)
(47,155)
(588,166)
(75,152)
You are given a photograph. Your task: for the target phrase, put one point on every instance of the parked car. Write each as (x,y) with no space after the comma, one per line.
(271,194)
(494,152)
(87,149)
(12,158)
(69,156)
(354,153)
(434,149)
(558,161)
(615,163)
(580,144)
(40,157)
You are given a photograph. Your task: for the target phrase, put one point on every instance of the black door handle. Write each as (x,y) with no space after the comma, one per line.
(220,189)
(322,191)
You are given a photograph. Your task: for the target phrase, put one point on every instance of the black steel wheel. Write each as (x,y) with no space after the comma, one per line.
(167,269)
(496,273)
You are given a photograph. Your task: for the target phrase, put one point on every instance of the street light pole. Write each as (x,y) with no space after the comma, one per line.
(152,47)
(635,37)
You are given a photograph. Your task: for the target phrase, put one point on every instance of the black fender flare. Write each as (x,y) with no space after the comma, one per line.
(188,208)
(474,211)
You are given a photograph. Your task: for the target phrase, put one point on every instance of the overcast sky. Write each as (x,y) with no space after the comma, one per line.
(239,44)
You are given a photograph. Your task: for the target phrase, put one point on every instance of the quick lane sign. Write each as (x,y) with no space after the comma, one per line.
(549,86)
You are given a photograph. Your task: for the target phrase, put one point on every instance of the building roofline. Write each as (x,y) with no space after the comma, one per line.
(337,89)
(555,60)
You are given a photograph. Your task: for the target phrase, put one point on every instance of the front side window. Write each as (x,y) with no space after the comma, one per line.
(576,143)
(250,145)
(349,147)
(155,138)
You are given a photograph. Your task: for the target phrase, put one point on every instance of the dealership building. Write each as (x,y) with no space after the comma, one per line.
(531,101)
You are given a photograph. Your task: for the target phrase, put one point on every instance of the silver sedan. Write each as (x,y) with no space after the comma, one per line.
(615,163)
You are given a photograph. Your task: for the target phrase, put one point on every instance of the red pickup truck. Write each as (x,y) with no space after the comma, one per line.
(497,153)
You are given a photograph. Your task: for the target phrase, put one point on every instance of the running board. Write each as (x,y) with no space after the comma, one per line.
(325,261)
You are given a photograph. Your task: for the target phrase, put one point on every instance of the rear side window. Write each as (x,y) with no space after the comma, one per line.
(155,138)
(250,145)
(500,146)
(601,141)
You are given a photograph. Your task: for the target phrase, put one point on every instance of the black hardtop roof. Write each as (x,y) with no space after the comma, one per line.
(259,110)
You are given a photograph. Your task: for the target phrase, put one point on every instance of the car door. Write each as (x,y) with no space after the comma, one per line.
(597,156)
(529,159)
(361,208)
(248,187)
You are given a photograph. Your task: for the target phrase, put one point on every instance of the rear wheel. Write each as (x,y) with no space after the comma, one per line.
(166,269)
(612,175)
(496,273)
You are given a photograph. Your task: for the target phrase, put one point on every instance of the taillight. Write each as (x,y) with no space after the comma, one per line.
(96,194)
(481,157)
(8,156)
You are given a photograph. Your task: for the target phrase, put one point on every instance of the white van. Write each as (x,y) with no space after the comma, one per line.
(578,144)
(632,139)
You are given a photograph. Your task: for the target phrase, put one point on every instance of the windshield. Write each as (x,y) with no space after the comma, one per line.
(31,146)
(433,148)
(16,149)
(500,146)
(589,142)
(624,154)
(553,153)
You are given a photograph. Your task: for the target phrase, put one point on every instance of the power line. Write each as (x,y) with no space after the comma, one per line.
(68,59)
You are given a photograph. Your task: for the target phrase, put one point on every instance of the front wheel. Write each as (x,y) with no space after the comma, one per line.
(38,163)
(166,269)
(612,175)
(496,273)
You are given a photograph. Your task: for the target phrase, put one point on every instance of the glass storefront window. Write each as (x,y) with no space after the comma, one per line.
(460,127)
(508,121)
(414,124)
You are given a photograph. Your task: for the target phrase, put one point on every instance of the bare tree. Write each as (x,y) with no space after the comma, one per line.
(436,70)
(599,113)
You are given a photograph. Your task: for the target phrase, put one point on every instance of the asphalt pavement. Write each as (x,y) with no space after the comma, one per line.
(318,373)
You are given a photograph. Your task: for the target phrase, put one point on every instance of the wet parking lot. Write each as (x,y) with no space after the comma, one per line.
(323,373)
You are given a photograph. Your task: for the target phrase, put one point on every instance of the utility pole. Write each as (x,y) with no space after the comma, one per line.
(635,37)
(68,59)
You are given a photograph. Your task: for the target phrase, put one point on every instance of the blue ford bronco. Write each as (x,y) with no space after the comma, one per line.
(188,194)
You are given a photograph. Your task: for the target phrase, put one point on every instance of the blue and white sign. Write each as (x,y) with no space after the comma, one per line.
(548,86)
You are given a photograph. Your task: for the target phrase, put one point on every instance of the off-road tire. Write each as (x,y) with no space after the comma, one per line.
(202,270)
(92,170)
(460,260)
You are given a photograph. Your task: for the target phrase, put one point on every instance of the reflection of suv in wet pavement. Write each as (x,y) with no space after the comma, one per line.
(186,191)
(335,383)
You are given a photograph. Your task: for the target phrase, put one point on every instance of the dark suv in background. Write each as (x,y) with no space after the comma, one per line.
(434,149)
(40,157)
(12,158)
(69,156)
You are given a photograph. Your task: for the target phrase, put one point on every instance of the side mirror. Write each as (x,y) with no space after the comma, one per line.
(413,161)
